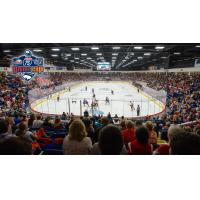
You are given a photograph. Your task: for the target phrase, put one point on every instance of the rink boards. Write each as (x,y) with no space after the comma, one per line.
(124,92)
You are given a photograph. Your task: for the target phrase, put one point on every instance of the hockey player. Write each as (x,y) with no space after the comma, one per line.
(132,106)
(58,98)
(107,100)
(112,92)
(85,88)
(85,102)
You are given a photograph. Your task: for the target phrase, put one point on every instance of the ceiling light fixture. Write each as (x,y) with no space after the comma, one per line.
(6,51)
(159,47)
(94,48)
(55,49)
(115,48)
(75,49)
(138,47)
(37,50)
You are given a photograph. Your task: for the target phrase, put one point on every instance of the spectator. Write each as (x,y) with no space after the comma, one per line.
(31,119)
(15,146)
(10,122)
(38,122)
(23,132)
(89,128)
(110,140)
(123,125)
(64,116)
(163,149)
(138,123)
(152,134)
(141,145)
(4,127)
(104,122)
(86,113)
(47,123)
(129,133)
(58,123)
(185,144)
(77,142)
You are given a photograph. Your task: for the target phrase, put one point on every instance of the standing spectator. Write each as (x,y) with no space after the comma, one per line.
(77,142)
(141,145)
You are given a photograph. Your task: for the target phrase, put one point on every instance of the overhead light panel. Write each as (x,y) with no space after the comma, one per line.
(55,49)
(94,48)
(99,54)
(37,50)
(84,54)
(140,57)
(159,47)
(147,54)
(54,55)
(115,48)
(138,47)
(114,54)
(198,46)
(6,51)
(89,58)
(75,49)
(68,54)
(177,53)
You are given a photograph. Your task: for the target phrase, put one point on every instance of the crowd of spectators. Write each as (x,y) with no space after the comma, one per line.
(93,136)
(24,133)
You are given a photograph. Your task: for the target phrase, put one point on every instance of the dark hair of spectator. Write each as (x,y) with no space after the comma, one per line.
(142,135)
(110,140)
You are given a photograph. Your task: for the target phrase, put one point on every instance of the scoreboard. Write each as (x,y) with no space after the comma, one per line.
(103,66)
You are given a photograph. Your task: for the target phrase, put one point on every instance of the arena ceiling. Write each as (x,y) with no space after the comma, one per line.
(122,56)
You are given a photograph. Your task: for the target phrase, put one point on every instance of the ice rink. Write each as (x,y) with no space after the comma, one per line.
(124,92)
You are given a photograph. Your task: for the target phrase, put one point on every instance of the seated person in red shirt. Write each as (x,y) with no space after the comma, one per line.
(141,145)
(163,149)
(129,133)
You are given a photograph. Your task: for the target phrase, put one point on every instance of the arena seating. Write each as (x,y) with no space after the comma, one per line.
(182,107)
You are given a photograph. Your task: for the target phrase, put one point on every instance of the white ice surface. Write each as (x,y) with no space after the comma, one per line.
(124,92)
